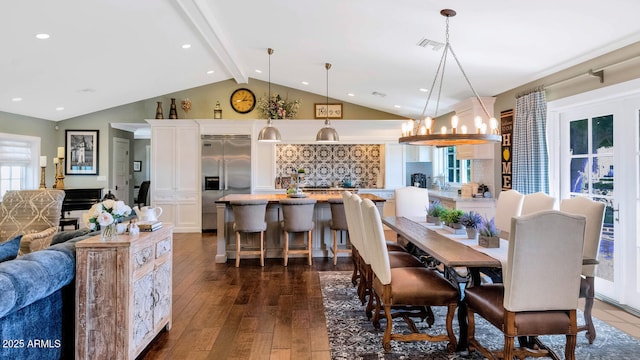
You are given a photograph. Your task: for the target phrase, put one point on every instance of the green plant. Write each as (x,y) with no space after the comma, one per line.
(436,209)
(488,228)
(452,216)
(471,219)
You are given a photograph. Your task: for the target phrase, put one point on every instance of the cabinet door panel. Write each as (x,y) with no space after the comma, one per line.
(163,156)
(187,168)
(142,309)
(162,293)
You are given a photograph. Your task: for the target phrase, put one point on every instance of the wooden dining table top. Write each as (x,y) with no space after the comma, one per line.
(450,253)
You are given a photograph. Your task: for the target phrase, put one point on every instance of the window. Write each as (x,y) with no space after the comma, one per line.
(458,171)
(18,162)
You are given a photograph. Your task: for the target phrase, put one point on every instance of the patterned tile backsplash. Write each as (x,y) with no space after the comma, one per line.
(332,165)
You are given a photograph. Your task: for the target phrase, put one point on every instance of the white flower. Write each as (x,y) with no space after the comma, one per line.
(105,219)
(108,204)
(121,209)
(95,210)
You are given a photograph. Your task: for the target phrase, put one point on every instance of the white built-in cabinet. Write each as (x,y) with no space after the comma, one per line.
(416,153)
(480,151)
(175,173)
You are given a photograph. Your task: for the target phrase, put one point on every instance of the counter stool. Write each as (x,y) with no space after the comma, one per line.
(249,217)
(338,223)
(297,216)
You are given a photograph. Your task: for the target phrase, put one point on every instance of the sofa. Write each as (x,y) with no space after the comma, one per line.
(37,301)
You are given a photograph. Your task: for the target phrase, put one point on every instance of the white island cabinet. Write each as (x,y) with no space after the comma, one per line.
(175,173)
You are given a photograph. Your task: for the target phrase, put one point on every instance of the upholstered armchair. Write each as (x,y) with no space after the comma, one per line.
(33,213)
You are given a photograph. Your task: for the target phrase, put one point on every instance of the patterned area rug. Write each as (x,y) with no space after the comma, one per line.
(352,336)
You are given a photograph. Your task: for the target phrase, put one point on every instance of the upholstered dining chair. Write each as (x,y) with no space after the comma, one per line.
(411,201)
(405,287)
(537,202)
(338,224)
(249,217)
(594,213)
(539,295)
(508,205)
(297,217)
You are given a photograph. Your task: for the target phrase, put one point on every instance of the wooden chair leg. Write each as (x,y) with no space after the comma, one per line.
(335,247)
(237,249)
(310,246)
(354,258)
(261,248)
(286,248)
(588,306)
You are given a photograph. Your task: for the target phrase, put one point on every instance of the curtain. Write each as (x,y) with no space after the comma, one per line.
(530,153)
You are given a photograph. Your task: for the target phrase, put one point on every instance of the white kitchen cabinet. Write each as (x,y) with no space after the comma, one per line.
(415,153)
(481,151)
(394,166)
(175,173)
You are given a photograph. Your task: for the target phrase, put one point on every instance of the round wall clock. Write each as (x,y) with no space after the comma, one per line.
(243,100)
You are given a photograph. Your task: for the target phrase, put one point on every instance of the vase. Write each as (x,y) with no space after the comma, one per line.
(159,114)
(173,110)
(471,232)
(109,232)
(435,220)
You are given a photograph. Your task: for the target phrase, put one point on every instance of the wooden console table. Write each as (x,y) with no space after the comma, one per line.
(123,293)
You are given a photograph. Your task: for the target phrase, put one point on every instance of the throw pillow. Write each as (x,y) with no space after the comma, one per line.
(9,249)
(37,241)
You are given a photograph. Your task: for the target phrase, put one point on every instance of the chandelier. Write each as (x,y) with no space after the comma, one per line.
(421,132)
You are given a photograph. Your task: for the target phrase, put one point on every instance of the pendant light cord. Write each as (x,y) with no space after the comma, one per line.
(326,121)
(269,51)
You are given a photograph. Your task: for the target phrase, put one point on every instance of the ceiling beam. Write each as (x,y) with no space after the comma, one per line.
(205,22)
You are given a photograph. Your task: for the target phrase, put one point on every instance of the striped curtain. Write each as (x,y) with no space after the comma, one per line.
(530,153)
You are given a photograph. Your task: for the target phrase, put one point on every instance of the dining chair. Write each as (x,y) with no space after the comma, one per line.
(594,213)
(411,201)
(297,217)
(249,217)
(338,224)
(508,205)
(405,287)
(537,202)
(539,294)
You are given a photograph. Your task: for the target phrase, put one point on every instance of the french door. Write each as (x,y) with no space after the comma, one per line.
(595,151)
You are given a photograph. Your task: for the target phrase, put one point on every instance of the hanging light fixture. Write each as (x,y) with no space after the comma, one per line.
(269,133)
(421,133)
(327,133)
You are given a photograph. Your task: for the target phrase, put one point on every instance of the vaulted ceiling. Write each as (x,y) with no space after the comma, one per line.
(106,53)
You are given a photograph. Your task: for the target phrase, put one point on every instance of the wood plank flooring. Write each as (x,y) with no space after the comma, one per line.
(251,312)
(275,312)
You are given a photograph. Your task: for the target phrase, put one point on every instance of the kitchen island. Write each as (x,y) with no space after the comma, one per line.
(451,200)
(273,236)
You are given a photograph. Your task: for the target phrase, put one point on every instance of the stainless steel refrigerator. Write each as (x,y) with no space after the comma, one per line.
(226,169)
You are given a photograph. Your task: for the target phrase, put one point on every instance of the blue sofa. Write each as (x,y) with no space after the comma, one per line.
(37,301)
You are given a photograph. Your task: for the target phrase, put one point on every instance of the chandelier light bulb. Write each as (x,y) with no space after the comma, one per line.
(423,130)
(443,130)
(483,129)
(463,128)
(493,124)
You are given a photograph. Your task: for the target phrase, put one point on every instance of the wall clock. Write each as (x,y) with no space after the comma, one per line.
(243,100)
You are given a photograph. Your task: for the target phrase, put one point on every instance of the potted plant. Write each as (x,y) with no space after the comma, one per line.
(434,211)
(489,236)
(471,221)
(451,219)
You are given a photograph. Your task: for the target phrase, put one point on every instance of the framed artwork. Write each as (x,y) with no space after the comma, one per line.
(81,152)
(332,111)
(137,166)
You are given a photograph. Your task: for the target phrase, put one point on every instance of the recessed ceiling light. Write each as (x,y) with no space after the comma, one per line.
(42,36)
(186,46)
(305,83)
(60,108)
(210,72)
(259,71)
(16,99)
(397,106)
(351,94)
(424,90)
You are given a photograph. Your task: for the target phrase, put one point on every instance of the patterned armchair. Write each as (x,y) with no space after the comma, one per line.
(33,213)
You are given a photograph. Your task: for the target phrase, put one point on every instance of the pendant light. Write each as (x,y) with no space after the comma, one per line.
(269,133)
(419,133)
(327,133)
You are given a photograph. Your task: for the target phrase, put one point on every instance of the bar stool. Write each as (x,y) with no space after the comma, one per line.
(249,217)
(338,223)
(297,216)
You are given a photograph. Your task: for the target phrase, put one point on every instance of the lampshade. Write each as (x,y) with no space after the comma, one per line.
(416,133)
(269,133)
(327,133)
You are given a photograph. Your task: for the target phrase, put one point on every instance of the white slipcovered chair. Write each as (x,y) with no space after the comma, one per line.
(537,202)
(508,205)
(411,201)
(409,287)
(594,213)
(539,295)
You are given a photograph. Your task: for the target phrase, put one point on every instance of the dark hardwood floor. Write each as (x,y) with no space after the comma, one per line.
(250,312)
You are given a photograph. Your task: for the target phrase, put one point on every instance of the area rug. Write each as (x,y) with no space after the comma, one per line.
(352,336)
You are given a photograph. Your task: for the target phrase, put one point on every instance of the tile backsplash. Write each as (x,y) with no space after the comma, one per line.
(328,165)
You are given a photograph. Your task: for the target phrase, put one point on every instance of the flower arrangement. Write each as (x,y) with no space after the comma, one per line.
(488,228)
(471,219)
(452,216)
(277,107)
(106,214)
(436,209)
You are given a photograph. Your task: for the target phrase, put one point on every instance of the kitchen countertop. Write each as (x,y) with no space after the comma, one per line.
(453,196)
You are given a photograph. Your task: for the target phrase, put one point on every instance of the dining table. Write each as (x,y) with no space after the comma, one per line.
(454,251)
